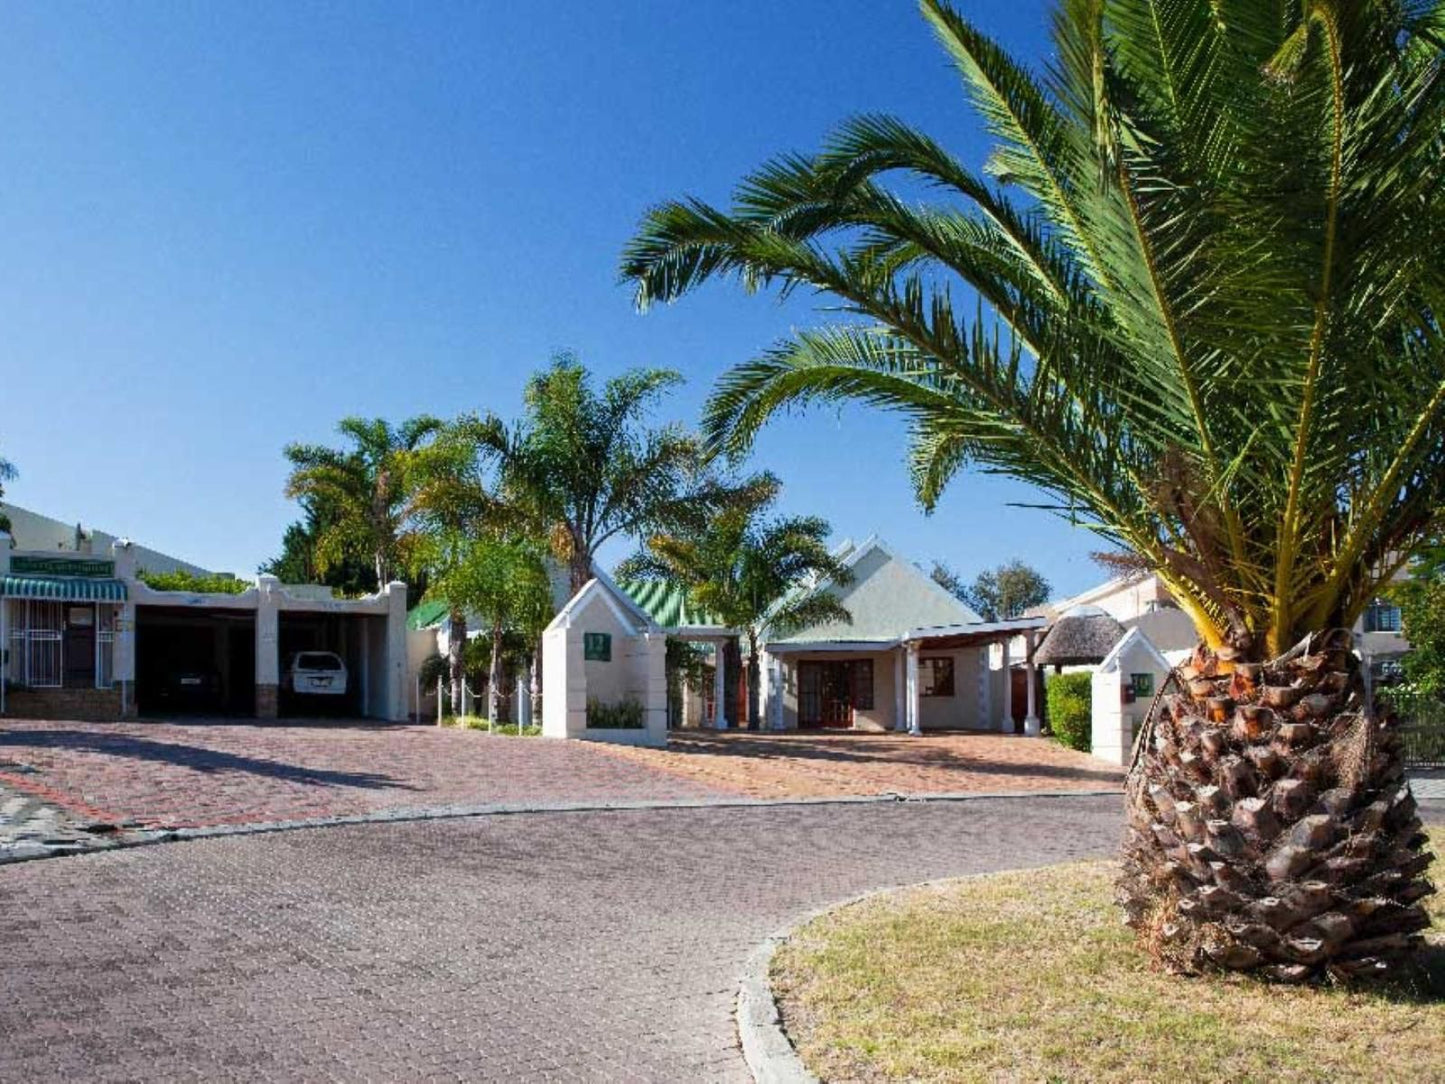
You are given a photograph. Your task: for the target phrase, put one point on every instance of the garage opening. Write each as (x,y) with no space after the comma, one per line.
(195,662)
(331,665)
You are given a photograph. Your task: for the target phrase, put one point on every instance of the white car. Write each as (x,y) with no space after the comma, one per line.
(316,673)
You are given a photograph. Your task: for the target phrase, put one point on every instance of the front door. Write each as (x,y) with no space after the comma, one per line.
(79,647)
(825,694)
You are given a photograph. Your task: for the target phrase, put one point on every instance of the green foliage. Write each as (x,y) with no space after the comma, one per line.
(1071,708)
(746,567)
(359,495)
(997,594)
(502,581)
(1421,599)
(583,465)
(1209,257)
(624,715)
(433,668)
(7,472)
(350,576)
(180,580)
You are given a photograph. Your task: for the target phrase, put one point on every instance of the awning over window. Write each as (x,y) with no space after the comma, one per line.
(63,588)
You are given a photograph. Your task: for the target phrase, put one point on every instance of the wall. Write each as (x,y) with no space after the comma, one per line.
(1114,722)
(33,531)
(964,708)
(637,671)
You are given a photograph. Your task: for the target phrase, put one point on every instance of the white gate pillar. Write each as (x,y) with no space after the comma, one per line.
(1032,725)
(915,726)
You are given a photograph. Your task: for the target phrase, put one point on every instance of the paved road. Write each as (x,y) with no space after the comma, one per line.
(563,946)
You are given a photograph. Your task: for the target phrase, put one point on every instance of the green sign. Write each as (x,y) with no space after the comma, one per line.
(597,646)
(88,568)
(1143,684)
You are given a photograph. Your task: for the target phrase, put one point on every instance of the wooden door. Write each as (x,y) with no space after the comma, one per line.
(825,694)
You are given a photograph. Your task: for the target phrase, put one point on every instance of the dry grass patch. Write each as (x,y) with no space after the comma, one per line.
(1032,976)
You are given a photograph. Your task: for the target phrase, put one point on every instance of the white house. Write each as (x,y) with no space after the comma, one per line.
(82,636)
(912,658)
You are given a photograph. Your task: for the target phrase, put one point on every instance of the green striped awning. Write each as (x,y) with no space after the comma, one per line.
(667,604)
(63,588)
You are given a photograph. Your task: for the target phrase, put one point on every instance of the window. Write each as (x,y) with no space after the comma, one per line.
(935,677)
(1382,616)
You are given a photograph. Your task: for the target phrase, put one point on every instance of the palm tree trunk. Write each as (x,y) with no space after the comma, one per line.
(456,657)
(1270,824)
(494,677)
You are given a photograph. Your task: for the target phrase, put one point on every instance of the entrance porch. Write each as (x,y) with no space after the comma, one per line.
(952,677)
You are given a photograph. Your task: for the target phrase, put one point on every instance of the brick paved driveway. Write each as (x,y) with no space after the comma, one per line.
(188,774)
(585,946)
(811,764)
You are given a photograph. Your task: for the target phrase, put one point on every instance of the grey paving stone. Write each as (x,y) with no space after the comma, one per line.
(594,946)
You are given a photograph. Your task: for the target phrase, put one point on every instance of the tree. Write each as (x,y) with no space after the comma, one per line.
(7,473)
(363,490)
(298,562)
(1421,598)
(749,570)
(1208,254)
(502,581)
(586,468)
(997,594)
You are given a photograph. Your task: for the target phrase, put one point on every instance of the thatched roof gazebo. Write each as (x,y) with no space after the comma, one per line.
(1083,636)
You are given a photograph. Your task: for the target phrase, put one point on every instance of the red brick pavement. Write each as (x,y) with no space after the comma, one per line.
(192,774)
(816,765)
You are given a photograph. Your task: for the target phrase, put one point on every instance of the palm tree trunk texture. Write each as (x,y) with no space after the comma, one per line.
(1270,826)
(494,677)
(456,657)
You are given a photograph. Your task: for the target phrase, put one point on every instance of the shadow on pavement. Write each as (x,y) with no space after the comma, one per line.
(196,758)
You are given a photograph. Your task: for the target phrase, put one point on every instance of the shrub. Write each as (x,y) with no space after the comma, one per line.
(625,715)
(1071,708)
(222,583)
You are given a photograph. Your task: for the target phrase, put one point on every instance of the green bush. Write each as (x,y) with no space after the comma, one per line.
(1071,708)
(626,715)
(222,583)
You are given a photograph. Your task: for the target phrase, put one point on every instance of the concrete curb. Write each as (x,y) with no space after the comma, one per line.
(146,837)
(770,1055)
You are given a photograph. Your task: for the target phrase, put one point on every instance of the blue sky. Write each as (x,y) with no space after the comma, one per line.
(227,226)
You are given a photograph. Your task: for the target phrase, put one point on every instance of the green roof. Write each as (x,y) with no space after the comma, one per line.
(63,588)
(425,614)
(667,604)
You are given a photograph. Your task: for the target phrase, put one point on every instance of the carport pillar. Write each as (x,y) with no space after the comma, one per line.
(1006,720)
(268,646)
(1032,726)
(395,685)
(915,724)
(122,658)
(900,692)
(719,687)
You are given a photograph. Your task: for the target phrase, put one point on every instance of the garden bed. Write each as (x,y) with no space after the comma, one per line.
(1032,976)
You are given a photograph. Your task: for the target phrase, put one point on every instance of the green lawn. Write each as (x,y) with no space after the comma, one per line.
(1032,976)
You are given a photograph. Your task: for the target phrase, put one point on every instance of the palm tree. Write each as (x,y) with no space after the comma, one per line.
(1208,254)
(749,571)
(364,487)
(586,468)
(7,472)
(503,581)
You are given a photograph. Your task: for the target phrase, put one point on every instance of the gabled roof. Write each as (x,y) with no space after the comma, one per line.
(941,607)
(629,615)
(668,604)
(1133,637)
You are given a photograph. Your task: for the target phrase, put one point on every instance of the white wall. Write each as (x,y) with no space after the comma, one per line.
(33,531)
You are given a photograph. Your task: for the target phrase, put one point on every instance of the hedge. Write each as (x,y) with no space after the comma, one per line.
(1071,708)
